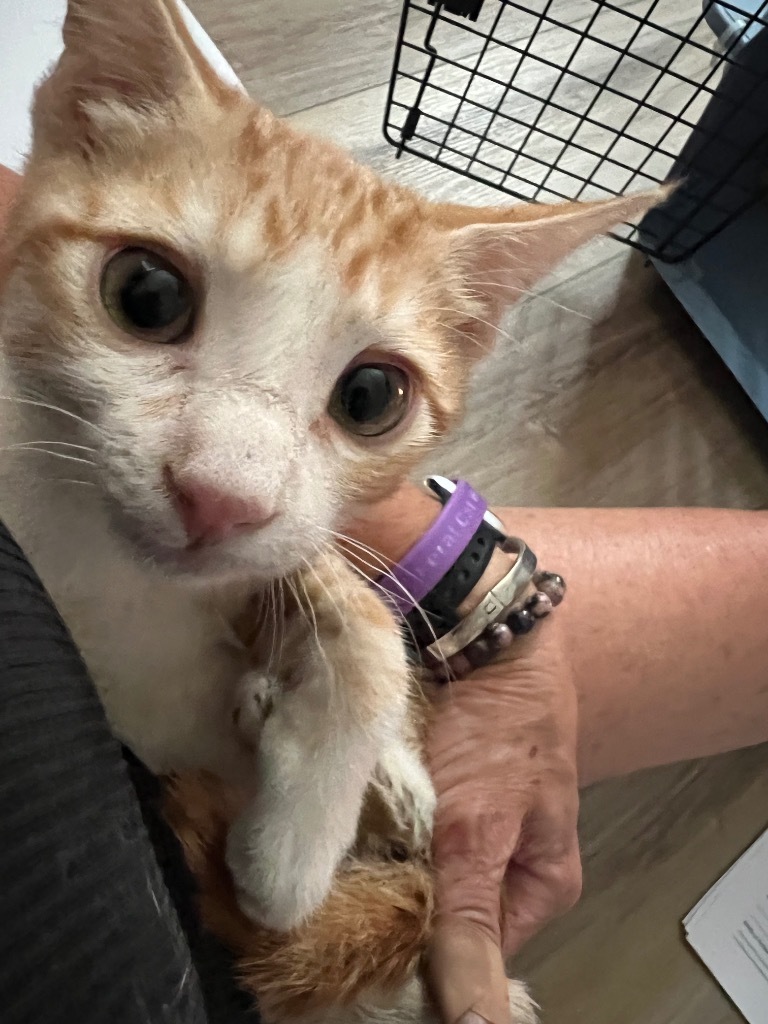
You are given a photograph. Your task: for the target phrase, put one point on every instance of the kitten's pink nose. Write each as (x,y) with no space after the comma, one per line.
(210,514)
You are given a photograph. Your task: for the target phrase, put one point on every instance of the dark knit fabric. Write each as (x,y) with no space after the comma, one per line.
(97,921)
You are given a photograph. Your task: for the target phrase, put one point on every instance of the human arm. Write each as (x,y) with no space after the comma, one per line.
(661,636)
(666,609)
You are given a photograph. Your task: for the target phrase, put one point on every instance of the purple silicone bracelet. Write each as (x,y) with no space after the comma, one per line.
(421,569)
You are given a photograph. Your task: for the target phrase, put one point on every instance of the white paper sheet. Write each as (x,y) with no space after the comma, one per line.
(728,928)
(30,42)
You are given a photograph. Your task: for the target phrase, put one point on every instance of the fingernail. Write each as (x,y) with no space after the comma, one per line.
(466,974)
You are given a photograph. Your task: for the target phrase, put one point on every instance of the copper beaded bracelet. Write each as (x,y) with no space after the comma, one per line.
(546,592)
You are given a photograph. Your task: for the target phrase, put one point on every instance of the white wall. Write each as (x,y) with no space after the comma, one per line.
(30,41)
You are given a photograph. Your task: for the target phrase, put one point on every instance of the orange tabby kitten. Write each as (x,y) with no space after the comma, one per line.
(234,336)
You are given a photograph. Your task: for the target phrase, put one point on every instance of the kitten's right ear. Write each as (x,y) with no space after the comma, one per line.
(122,59)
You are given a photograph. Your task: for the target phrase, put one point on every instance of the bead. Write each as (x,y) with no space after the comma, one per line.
(521,622)
(540,605)
(499,636)
(552,585)
(460,665)
(478,653)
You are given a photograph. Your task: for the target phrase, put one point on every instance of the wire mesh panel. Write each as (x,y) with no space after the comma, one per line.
(583,99)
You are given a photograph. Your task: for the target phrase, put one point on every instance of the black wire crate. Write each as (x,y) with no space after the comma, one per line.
(584,99)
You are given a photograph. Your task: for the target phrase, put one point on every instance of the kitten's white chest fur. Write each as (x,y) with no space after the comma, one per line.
(161,653)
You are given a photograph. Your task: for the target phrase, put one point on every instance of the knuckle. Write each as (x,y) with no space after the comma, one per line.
(557,851)
(572,892)
(563,877)
(569,882)
(464,828)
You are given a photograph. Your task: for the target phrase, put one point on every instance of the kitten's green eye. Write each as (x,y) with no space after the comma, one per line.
(371,399)
(147,296)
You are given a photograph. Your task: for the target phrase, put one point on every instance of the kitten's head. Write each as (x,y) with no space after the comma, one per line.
(261,332)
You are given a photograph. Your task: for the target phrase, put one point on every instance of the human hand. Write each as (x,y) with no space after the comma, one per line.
(502,752)
(503,758)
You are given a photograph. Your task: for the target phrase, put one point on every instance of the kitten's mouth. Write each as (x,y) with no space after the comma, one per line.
(200,560)
(205,541)
(204,562)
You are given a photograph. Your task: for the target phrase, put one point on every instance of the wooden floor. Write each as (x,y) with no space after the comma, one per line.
(603,393)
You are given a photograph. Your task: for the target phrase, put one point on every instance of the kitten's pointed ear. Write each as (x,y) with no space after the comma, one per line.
(120,56)
(497,255)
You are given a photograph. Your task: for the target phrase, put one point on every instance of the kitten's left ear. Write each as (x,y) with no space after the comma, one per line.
(132,57)
(497,255)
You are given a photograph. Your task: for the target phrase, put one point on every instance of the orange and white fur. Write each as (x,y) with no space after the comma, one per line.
(300,263)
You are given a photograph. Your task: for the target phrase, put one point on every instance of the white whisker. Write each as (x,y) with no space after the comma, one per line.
(463,315)
(528,294)
(456,330)
(63,444)
(386,598)
(324,587)
(366,548)
(381,564)
(69,480)
(384,571)
(45,451)
(273,614)
(281,620)
(52,408)
(260,622)
(310,608)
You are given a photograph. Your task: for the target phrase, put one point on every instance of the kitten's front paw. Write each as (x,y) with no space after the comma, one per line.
(522,1007)
(279,884)
(255,696)
(405,786)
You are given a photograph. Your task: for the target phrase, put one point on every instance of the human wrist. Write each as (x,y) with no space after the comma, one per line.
(392,526)
(466,588)
(536,675)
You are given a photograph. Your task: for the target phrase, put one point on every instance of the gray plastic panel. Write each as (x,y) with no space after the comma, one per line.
(724,287)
